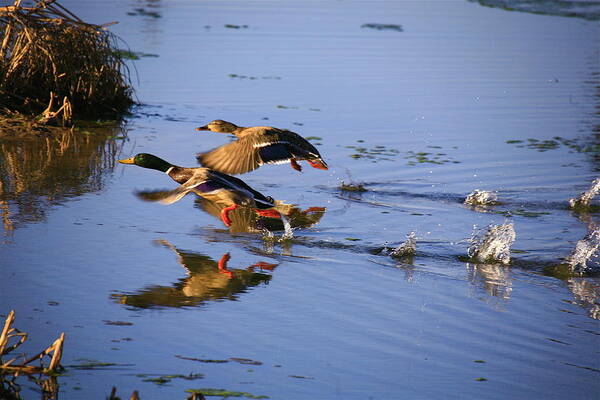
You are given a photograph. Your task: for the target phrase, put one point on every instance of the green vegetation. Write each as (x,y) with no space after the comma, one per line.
(225,393)
(574,145)
(383,27)
(144,13)
(164,379)
(352,187)
(132,55)
(383,153)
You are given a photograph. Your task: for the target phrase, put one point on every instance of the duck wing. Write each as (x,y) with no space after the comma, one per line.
(272,146)
(203,182)
(237,157)
(232,183)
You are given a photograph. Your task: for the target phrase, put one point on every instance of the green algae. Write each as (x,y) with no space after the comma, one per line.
(225,393)
(579,145)
(144,13)
(383,153)
(164,379)
(353,187)
(383,27)
(133,55)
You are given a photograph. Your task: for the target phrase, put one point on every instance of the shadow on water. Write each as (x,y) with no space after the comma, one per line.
(207,280)
(38,172)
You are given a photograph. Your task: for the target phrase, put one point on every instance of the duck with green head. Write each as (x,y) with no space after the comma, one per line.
(258,145)
(222,189)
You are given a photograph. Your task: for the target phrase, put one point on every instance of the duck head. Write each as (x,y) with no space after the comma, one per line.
(146,160)
(219,125)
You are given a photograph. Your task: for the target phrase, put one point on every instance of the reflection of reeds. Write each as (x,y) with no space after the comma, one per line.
(41,171)
(48,56)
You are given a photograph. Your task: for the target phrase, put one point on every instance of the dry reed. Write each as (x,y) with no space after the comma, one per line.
(54,65)
(13,366)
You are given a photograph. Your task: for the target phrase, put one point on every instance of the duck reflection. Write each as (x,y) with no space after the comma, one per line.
(245,219)
(207,280)
(495,279)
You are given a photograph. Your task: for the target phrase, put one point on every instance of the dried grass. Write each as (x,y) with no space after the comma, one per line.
(55,65)
(10,334)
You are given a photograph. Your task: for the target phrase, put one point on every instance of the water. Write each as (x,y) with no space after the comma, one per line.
(462,97)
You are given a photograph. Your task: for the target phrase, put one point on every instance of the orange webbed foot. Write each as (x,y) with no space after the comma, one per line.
(295,165)
(318,164)
(225,214)
(271,213)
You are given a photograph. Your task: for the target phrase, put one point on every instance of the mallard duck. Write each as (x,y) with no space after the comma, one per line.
(217,187)
(256,146)
(207,280)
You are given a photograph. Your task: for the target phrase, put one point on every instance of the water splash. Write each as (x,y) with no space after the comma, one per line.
(493,245)
(287,235)
(584,251)
(586,197)
(481,198)
(407,248)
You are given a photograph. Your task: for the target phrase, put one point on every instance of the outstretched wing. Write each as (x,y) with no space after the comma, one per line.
(200,183)
(163,196)
(250,152)
(237,157)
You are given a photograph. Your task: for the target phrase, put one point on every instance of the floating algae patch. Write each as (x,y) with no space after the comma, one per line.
(521,212)
(203,360)
(245,361)
(164,379)
(383,27)
(352,187)
(88,364)
(133,55)
(579,145)
(383,153)
(237,76)
(225,393)
(426,157)
(374,153)
(144,13)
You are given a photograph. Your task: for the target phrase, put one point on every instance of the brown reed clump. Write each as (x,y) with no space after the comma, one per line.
(54,65)
(16,366)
